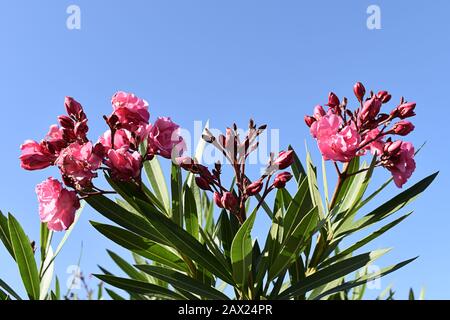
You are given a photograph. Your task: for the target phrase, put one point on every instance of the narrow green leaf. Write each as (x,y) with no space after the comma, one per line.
(293,242)
(113,295)
(241,252)
(313,185)
(139,287)
(297,167)
(158,182)
(9,290)
(141,246)
(185,243)
(177,195)
(190,213)
(4,234)
(331,273)
(24,258)
(47,277)
(365,278)
(184,282)
(126,267)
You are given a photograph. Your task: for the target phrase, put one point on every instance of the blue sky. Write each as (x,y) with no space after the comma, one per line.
(228,61)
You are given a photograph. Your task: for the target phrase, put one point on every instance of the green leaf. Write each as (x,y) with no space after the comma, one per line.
(63,240)
(126,267)
(114,295)
(57,288)
(125,219)
(331,273)
(141,246)
(364,241)
(44,240)
(139,287)
(313,186)
(391,206)
(297,167)
(293,242)
(177,195)
(224,233)
(9,290)
(185,243)
(241,252)
(183,282)
(190,213)
(365,278)
(156,177)
(24,258)
(47,277)
(4,234)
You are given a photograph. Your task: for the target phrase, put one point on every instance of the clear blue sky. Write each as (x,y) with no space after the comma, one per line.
(228,61)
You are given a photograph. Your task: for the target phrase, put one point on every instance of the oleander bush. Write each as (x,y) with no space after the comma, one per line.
(190,233)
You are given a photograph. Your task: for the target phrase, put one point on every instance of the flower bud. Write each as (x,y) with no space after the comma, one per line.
(282,179)
(218,200)
(319,112)
(370,109)
(229,201)
(74,108)
(406,110)
(81,129)
(403,128)
(359,91)
(284,160)
(254,188)
(65,122)
(203,184)
(309,120)
(185,162)
(333,100)
(384,96)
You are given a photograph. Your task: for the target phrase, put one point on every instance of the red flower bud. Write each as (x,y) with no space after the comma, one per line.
(229,201)
(384,96)
(66,122)
(333,100)
(359,91)
(282,179)
(406,110)
(370,109)
(81,129)
(284,160)
(185,162)
(218,200)
(403,128)
(74,108)
(203,184)
(309,120)
(254,188)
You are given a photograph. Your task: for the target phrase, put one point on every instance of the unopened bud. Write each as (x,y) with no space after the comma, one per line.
(281,180)
(403,128)
(359,91)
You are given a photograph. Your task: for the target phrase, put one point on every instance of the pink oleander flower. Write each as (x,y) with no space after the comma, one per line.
(57,205)
(78,163)
(335,143)
(35,156)
(399,160)
(122,139)
(124,165)
(131,110)
(373,141)
(164,139)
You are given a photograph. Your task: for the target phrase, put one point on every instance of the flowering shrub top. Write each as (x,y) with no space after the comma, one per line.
(343,134)
(117,152)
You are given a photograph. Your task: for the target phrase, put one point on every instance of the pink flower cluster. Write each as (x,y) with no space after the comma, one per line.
(67,147)
(343,134)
